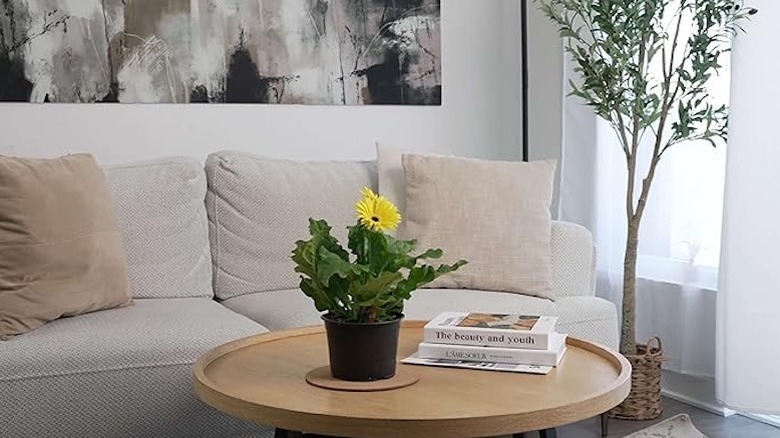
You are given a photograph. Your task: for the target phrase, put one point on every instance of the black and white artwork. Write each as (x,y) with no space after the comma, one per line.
(318,52)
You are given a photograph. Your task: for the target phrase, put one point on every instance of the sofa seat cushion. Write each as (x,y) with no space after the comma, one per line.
(285,309)
(590,318)
(278,310)
(120,373)
(150,333)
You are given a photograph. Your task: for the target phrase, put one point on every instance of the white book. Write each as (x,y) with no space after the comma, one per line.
(550,357)
(486,366)
(491,330)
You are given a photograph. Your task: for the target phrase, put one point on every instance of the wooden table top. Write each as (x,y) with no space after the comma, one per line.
(262,379)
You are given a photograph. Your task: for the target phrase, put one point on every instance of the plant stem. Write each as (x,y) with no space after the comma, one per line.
(627,333)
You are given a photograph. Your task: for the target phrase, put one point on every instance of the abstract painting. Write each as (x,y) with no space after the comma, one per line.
(318,52)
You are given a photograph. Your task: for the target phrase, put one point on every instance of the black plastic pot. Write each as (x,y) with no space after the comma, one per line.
(362,352)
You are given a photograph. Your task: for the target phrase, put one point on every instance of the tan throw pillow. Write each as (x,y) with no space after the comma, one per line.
(61,252)
(494,214)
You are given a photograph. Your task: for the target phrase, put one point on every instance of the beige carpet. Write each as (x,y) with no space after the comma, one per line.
(679,426)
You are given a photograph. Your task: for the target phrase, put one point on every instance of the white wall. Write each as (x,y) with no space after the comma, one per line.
(480,115)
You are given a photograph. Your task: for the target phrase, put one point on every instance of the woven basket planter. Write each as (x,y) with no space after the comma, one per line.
(644,400)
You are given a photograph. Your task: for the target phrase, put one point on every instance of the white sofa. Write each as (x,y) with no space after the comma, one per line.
(202,275)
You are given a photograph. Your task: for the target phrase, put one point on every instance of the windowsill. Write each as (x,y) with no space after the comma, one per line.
(678,272)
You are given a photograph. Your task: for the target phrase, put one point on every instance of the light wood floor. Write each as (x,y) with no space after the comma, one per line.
(714,426)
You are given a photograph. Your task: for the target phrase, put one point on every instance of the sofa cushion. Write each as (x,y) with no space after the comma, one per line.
(279,309)
(495,214)
(151,333)
(119,373)
(155,402)
(162,216)
(258,208)
(590,318)
(61,251)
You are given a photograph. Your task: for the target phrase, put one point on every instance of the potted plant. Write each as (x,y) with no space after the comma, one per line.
(362,292)
(644,67)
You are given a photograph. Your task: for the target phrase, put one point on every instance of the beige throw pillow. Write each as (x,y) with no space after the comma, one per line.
(391,179)
(61,251)
(494,214)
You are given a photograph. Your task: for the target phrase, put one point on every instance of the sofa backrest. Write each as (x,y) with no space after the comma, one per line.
(162,217)
(259,207)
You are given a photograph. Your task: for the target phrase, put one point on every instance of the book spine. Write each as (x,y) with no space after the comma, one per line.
(486,338)
(482,354)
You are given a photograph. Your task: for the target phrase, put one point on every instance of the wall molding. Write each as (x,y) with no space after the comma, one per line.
(698,391)
(713,408)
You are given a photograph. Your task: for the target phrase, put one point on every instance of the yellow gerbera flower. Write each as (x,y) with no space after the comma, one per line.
(376,212)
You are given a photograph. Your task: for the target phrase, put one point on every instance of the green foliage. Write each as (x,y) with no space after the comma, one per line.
(637,67)
(371,288)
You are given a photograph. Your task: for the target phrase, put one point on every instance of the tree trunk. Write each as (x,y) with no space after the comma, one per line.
(627,333)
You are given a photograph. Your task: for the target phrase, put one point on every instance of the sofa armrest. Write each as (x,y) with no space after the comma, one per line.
(573,260)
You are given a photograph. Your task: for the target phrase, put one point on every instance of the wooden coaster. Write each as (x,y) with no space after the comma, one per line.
(322,378)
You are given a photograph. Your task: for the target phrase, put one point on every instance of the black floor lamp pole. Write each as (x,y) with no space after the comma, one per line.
(524,57)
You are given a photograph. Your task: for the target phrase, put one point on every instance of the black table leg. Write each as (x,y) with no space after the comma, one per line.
(548,433)
(519,435)
(281,433)
(604,424)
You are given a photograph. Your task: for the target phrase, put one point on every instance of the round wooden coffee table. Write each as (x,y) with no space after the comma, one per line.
(262,379)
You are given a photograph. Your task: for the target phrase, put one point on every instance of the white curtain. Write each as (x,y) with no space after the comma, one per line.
(680,236)
(748,366)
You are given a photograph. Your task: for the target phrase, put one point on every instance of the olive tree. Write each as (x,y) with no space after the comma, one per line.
(644,67)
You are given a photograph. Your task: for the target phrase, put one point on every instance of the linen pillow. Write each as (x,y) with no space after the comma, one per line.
(494,214)
(390,169)
(61,252)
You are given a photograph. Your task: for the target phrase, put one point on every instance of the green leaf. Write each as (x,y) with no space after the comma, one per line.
(330,264)
(321,300)
(367,292)
(431,254)
(421,275)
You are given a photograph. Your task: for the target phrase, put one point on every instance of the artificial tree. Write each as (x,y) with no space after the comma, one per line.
(644,67)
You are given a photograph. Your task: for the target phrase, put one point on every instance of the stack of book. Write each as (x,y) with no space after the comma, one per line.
(517,343)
